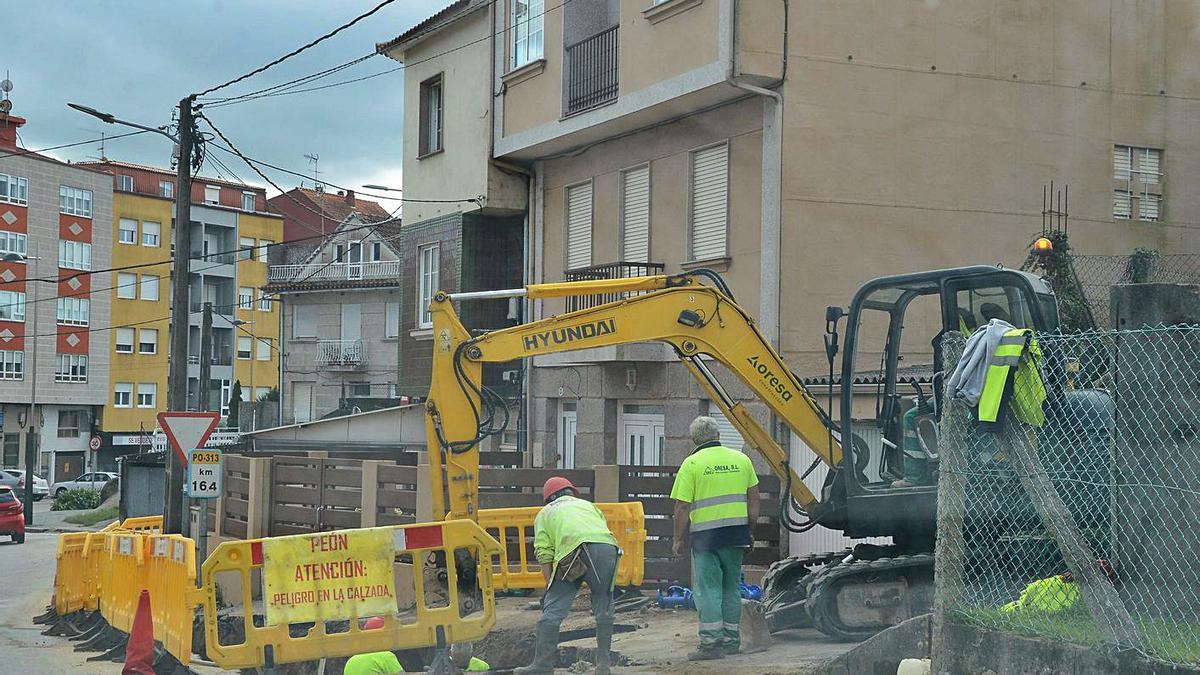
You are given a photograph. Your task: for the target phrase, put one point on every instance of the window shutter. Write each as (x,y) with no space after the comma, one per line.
(1148,206)
(1122,162)
(635,215)
(709,202)
(579,226)
(730,437)
(1122,207)
(1149,161)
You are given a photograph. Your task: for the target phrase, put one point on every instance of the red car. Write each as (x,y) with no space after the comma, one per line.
(12,515)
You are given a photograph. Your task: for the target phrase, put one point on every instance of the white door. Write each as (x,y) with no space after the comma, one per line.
(354,262)
(302,401)
(567,426)
(643,436)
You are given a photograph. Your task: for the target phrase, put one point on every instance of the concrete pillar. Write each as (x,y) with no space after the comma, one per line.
(424,494)
(258,501)
(607,488)
(370,492)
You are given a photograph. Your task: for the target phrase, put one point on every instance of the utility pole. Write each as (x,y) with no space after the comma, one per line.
(177,374)
(206,358)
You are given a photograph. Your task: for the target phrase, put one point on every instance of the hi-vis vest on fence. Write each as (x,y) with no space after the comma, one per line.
(1018,358)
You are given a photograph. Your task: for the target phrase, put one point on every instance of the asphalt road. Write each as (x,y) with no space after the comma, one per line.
(28,573)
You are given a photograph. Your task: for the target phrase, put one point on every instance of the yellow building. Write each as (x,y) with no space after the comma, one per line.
(231,234)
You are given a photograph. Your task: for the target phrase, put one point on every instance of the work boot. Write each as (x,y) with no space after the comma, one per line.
(603,647)
(707,653)
(545,652)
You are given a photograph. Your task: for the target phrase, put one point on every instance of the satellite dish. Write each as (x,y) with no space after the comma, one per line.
(6,86)
(5,106)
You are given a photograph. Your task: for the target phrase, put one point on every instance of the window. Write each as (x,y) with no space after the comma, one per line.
(127,285)
(339,252)
(264,302)
(226,391)
(147,392)
(260,392)
(75,201)
(1137,183)
(149,287)
(304,322)
(635,215)
(264,249)
(248,201)
(150,232)
(527,31)
(73,311)
(245,247)
(70,422)
(708,207)
(212,194)
(71,368)
(127,231)
(75,255)
(579,226)
(12,306)
(391,320)
(124,341)
(243,347)
(245,298)
(13,189)
(124,183)
(360,389)
(123,395)
(148,341)
(12,365)
(166,189)
(427,282)
(376,251)
(431,117)
(264,349)
(12,242)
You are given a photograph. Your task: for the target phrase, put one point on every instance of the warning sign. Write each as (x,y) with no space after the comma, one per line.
(327,576)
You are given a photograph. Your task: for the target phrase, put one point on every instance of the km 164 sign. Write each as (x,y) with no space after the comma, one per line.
(204,474)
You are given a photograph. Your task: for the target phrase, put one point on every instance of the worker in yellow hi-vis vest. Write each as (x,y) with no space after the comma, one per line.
(1058,593)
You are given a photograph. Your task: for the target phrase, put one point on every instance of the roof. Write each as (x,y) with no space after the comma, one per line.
(334,205)
(432,24)
(167,172)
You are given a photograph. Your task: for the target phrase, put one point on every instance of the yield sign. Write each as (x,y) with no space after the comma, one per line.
(187,430)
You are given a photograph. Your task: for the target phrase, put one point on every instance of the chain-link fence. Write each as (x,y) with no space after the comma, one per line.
(1078,517)
(1098,273)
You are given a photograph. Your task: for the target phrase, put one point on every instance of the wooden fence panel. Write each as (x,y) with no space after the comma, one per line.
(504,488)
(295,495)
(396,495)
(236,497)
(341,494)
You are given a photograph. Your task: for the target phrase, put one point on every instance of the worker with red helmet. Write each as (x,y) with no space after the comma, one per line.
(572,542)
(384,663)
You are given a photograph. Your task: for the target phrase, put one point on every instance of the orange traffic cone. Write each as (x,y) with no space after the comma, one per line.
(139,652)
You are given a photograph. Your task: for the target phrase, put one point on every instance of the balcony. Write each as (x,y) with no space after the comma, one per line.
(222,359)
(342,271)
(340,353)
(592,66)
(617,270)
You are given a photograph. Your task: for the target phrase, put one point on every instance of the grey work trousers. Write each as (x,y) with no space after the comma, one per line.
(602,570)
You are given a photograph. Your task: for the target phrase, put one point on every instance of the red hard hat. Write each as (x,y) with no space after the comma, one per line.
(373,623)
(554,484)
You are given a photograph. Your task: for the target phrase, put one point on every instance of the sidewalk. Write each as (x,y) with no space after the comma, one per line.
(45,520)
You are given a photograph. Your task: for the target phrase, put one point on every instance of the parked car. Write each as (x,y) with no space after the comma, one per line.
(12,515)
(40,487)
(88,481)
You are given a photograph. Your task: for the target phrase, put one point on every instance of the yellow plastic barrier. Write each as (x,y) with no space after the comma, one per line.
(70,576)
(432,614)
(171,577)
(144,524)
(123,576)
(513,529)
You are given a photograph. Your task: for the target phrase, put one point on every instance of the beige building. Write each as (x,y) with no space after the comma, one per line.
(800,149)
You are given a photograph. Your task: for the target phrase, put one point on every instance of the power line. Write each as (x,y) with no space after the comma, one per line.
(296,51)
(71,145)
(290,83)
(309,89)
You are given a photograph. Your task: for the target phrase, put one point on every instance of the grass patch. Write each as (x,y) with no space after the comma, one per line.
(93,517)
(1173,641)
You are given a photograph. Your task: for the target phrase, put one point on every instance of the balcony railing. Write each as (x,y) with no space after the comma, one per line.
(592,65)
(221,359)
(378,269)
(617,270)
(340,353)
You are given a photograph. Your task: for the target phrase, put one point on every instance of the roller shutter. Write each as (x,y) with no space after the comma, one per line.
(709,202)
(635,215)
(579,226)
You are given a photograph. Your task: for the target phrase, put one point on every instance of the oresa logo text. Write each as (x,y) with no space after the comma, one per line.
(780,385)
(560,336)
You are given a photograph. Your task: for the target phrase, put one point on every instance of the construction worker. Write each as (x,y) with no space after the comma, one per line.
(1054,594)
(716,501)
(461,657)
(572,542)
(374,663)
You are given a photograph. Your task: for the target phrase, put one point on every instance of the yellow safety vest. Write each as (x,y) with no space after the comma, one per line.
(1017,359)
(1045,595)
(714,480)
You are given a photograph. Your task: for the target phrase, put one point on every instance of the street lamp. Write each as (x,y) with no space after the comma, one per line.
(382,187)
(31,438)
(108,118)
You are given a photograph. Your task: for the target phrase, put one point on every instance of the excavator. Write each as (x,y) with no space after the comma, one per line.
(890,355)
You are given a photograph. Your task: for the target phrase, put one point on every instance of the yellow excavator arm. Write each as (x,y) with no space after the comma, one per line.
(701,322)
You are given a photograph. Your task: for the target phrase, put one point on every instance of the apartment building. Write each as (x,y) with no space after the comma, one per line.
(231,235)
(54,314)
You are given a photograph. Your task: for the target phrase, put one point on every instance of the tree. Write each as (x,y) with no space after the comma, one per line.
(235,402)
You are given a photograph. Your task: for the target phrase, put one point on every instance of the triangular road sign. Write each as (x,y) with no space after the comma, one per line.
(187,431)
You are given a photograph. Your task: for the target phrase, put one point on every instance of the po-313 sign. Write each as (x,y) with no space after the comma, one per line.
(204,474)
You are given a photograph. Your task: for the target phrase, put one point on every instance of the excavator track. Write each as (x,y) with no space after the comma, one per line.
(785,585)
(854,600)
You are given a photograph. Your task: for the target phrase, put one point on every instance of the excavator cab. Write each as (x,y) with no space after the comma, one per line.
(893,372)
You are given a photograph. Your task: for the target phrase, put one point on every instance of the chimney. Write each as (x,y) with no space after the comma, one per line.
(8,130)
(350,197)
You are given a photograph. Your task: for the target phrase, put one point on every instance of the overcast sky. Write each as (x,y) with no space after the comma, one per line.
(137,58)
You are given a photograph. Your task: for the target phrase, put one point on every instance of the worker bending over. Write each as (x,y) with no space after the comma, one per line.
(716,500)
(572,542)
(461,657)
(1058,593)
(374,663)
